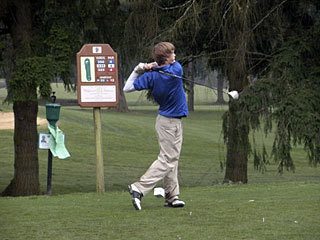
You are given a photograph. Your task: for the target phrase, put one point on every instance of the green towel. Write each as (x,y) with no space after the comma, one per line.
(57,147)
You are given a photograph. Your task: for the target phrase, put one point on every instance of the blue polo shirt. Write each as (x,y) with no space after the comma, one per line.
(166,90)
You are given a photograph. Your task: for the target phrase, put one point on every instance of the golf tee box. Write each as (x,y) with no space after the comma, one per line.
(97,76)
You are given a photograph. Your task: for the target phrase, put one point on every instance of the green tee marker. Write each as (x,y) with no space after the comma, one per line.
(87,67)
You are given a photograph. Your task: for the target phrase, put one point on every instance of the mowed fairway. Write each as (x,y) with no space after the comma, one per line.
(258,211)
(270,206)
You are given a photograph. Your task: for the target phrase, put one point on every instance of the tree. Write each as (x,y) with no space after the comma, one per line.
(288,93)
(237,38)
(26,178)
(287,86)
(220,87)
(36,62)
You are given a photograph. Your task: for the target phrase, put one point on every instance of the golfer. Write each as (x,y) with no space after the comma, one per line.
(167,90)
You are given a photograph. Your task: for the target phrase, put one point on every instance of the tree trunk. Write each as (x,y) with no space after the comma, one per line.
(122,106)
(237,125)
(237,148)
(26,166)
(190,88)
(220,99)
(237,143)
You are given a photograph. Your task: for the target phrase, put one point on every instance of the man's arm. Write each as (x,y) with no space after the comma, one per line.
(128,87)
(139,69)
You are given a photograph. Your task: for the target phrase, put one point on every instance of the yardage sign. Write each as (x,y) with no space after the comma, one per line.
(97,76)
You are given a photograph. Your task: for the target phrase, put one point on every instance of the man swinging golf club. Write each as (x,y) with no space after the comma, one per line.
(168,92)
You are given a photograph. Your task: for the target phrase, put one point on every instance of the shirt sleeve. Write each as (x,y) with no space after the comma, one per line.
(144,81)
(177,69)
(128,87)
(138,70)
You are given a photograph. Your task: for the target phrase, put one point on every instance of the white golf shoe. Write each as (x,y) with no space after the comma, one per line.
(176,203)
(135,196)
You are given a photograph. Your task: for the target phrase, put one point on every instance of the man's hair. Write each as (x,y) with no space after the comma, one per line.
(162,51)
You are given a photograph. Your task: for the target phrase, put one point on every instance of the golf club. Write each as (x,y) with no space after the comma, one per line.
(233,94)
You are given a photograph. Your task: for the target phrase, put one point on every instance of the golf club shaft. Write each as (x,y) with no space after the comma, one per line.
(187,79)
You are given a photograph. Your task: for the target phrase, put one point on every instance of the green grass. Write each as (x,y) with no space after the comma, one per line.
(284,207)
(130,145)
(258,211)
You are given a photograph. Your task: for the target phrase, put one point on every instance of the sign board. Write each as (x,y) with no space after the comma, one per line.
(97,76)
(44,140)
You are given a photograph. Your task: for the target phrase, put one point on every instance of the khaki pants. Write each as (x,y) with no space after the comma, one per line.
(169,132)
